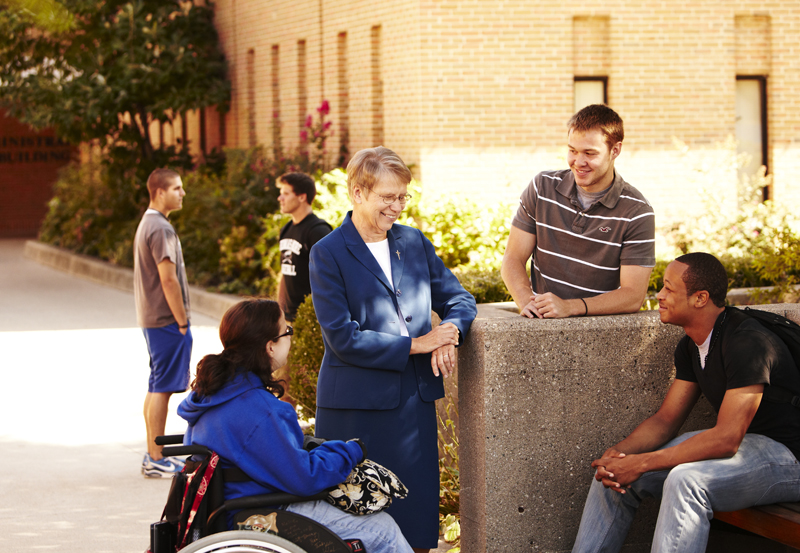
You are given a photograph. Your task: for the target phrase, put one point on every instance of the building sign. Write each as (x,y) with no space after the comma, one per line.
(34,149)
(29,164)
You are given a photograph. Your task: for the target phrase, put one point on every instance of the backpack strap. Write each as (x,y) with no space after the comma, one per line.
(193,493)
(776,394)
(789,333)
(197,483)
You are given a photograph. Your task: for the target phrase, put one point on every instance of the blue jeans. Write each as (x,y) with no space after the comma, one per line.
(379,532)
(763,471)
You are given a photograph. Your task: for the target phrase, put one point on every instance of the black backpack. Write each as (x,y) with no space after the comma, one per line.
(789,332)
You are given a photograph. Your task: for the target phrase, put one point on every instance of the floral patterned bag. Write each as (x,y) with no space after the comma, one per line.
(369,488)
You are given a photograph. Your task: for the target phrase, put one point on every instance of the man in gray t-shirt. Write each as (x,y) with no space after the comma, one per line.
(162,309)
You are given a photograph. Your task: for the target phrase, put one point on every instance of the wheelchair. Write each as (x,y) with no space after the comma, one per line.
(264,526)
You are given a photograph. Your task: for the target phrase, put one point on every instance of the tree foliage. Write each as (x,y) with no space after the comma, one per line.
(109,66)
(48,15)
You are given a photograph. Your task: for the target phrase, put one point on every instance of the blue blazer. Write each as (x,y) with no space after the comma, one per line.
(356,306)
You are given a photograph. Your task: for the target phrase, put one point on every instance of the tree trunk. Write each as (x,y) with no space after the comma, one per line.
(144,132)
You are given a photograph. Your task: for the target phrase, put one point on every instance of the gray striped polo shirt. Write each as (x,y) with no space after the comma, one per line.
(579,252)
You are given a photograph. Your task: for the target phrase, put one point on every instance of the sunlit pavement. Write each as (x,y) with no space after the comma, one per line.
(74,370)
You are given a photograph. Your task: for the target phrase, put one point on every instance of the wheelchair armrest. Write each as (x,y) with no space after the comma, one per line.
(270,500)
(172,439)
(264,500)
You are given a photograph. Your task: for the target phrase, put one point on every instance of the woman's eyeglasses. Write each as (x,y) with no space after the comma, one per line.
(389,199)
(289,332)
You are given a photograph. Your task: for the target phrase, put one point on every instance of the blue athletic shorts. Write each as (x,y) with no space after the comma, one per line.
(170,354)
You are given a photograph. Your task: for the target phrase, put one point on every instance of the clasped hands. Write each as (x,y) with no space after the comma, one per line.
(441,343)
(616,470)
(546,306)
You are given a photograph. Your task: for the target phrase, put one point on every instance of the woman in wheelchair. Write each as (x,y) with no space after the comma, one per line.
(234,410)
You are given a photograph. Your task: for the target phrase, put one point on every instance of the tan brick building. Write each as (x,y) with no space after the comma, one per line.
(476,93)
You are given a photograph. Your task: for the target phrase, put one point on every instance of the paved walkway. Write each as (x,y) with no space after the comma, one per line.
(74,376)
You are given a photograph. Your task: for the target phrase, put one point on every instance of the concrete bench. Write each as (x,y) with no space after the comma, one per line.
(779,522)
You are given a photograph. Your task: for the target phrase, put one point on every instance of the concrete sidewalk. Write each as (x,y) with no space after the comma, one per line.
(75,369)
(74,372)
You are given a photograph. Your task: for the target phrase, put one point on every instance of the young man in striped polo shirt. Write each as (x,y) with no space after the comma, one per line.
(590,234)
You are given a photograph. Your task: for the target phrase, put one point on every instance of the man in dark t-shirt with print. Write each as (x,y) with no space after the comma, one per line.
(750,455)
(296,238)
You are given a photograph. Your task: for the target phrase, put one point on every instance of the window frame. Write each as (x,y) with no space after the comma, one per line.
(584,78)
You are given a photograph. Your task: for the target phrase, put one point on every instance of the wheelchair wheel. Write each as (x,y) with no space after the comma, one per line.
(242,541)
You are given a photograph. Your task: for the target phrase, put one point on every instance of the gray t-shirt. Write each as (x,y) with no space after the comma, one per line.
(156,241)
(579,252)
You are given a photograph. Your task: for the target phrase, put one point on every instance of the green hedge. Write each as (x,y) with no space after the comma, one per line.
(230,222)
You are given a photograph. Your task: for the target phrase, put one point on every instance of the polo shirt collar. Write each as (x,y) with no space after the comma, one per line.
(568,189)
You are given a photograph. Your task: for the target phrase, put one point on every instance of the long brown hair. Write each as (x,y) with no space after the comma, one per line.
(244,332)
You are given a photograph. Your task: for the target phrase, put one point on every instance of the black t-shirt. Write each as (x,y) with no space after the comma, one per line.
(743,353)
(295,245)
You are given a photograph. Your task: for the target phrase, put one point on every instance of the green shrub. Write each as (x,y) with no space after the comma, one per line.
(228,225)
(485,285)
(757,241)
(450,490)
(222,217)
(464,233)
(775,263)
(96,206)
(305,357)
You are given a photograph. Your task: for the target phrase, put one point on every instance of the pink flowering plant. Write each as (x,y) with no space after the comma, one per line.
(314,135)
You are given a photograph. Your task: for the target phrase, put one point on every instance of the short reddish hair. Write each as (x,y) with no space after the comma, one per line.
(601,117)
(160,180)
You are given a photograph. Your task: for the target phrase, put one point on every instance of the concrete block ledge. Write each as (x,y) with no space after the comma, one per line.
(538,401)
(121,278)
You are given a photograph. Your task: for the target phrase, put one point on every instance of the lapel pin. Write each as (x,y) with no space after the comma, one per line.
(398,254)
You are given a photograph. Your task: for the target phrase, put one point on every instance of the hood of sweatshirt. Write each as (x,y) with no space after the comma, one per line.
(193,407)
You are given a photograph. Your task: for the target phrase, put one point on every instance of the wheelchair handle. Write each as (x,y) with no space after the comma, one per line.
(173,439)
(176,447)
(181,450)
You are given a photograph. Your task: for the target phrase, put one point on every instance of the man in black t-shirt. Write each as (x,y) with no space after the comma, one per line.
(748,458)
(296,238)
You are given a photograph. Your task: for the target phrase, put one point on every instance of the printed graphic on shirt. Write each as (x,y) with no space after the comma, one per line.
(289,247)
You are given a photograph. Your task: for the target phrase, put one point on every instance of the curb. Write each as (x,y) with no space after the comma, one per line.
(743,296)
(121,278)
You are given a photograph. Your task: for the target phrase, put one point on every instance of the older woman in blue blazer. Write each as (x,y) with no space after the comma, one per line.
(374,285)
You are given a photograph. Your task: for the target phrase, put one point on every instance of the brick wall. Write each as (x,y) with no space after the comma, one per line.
(29,164)
(475,94)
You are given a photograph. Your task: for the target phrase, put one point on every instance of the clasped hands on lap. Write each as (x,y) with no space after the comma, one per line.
(615,470)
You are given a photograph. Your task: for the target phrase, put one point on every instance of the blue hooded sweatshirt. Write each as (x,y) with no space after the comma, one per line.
(252,429)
